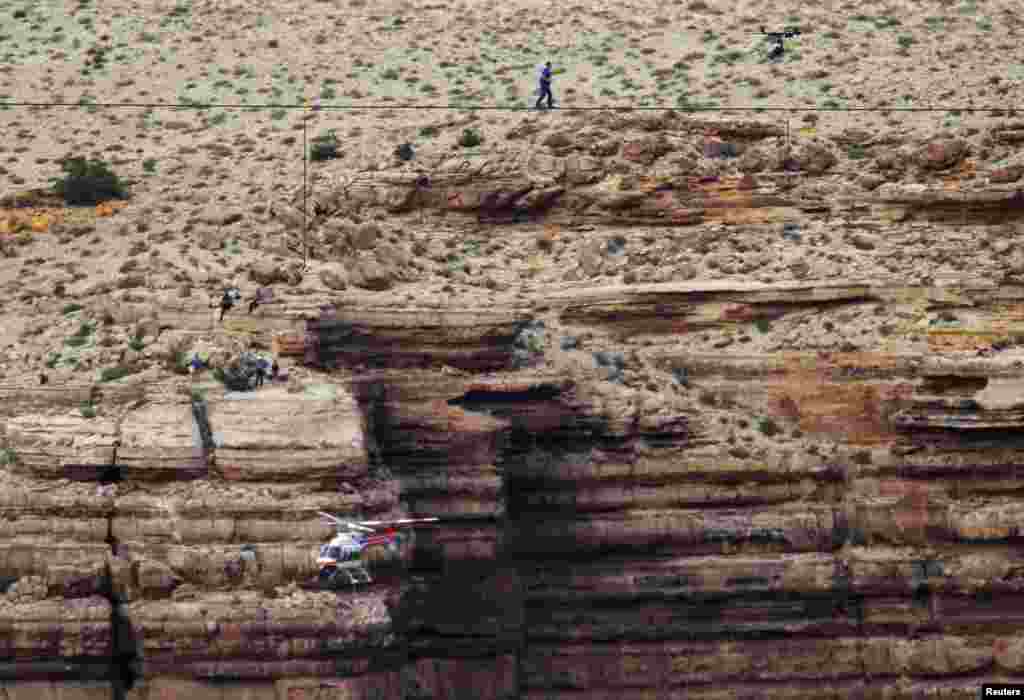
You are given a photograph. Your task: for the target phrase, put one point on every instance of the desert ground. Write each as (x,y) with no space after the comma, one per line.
(391,73)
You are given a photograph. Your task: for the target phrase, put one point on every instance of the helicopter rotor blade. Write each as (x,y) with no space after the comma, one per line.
(398,523)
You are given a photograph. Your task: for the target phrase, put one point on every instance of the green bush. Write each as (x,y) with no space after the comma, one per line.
(149,165)
(429,132)
(855,152)
(178,362)
(81,336)
(136,344)
(52,360)
(87,182)
(768,427)
(8,456)
(763,325)
(71,308)
(110,374)
(325,147)
(405,152)
(470,138)
(88,410)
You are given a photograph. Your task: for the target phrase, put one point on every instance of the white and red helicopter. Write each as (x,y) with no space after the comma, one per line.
(344,552)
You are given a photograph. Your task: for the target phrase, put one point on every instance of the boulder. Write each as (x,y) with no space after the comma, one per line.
(214,215)
(390,254)
(364,236)
(592,256)
(762,157)
(583,170)
(605,147)
(942,154)
(397,198)
(646,150)
(862,241)
(814,157)
(373,275)
(1008,174)
(559,139)
(268,273)
(334,277)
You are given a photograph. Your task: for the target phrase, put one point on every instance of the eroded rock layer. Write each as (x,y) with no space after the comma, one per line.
(649,488)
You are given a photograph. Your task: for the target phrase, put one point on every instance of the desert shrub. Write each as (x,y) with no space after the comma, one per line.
(429,132)
(87,410)
(324,147)
(87,182)
(470,138)
(149,165)
(177,362)
(81,336)
(8,456)
(71,308)
(855,151)
(767,426)
(405,152)
(110,374)
(136,344)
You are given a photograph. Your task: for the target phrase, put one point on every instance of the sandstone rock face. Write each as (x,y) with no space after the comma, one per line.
(653,484)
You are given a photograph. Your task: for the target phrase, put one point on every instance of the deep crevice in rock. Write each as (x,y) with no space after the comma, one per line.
(952,384)
(111,474)
(475,398)
(202,418)
(123,644)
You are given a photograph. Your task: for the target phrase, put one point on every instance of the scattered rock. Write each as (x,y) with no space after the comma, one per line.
(862,241)
(592,257)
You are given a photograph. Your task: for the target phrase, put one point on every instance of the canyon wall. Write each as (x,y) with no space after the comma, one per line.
(801,488)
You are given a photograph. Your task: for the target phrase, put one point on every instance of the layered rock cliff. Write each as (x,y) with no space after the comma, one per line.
(654,480)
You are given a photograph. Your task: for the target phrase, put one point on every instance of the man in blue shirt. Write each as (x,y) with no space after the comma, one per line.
(545,86)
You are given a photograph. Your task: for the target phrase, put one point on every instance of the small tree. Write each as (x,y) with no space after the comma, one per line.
(325,147)
(405,152)
(87,182)
(470,138)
